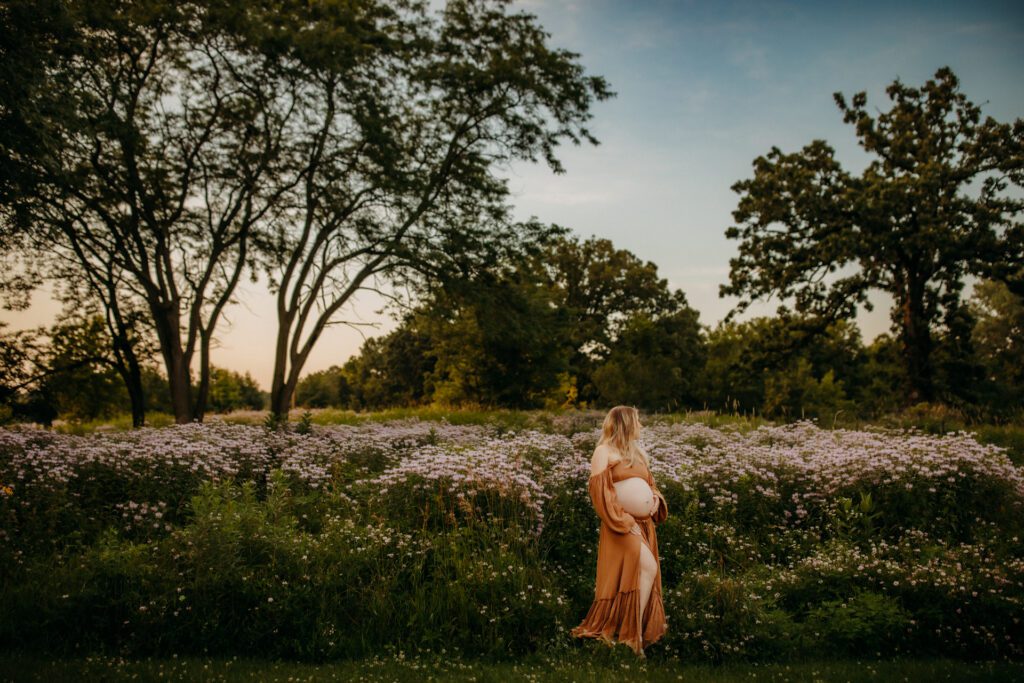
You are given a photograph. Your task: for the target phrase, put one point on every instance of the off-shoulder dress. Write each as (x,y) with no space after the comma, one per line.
(616,606)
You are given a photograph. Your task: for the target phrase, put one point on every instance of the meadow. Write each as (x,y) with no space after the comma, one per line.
(472,536)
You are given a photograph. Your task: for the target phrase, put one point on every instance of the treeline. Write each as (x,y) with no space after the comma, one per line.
(585,324)
(577,324)
(66,371)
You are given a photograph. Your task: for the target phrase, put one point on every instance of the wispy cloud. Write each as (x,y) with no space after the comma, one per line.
(752,59)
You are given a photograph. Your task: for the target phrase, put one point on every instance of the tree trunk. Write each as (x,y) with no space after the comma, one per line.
(181,389)
(281,397)
(138,397)
(126,361)
(203,391)
(128,367)
(167,329)
(916,343)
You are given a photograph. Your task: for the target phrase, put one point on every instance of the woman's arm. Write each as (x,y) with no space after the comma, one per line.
(660,513)
(602,495)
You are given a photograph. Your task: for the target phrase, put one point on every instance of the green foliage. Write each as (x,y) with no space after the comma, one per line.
(855,517)
(270,566)
(243,575)
(497,340)
(1010,437)
(726,616)
(595,662)
(866,622)
(531,332)
(321,389)
(602,289)
(274,422)
(375,127)
(905,226)
(884,378)
(786,368)
(230,390)
(390,370)
(66,370)
(799,393)
(305,424)
(654,364)
(998,337)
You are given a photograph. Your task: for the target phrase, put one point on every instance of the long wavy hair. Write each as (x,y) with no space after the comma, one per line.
(621,429)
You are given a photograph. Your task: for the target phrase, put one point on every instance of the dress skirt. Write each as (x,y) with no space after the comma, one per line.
(615,611)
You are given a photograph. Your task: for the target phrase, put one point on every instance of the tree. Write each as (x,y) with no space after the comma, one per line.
(508,333)
(388,371)
(774,366)
(32,35)
(321,389)
(907,225)
(884,374)
(153,174)
(22,365)
(84,381)
(654,363)
(497,339)
(601,288)
(231,390)
(348,146)
(410,116)
(998,338)
(130,343)
(66,370)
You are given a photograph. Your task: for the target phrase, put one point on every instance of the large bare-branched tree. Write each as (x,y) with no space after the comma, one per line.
(342,145)
(160,155)
(398,179)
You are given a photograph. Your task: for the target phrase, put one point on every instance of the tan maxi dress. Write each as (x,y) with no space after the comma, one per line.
(616,606)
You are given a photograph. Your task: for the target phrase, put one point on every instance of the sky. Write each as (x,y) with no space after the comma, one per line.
(703,88)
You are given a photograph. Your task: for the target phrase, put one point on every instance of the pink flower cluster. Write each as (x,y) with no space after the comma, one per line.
(802,462)
(818,463)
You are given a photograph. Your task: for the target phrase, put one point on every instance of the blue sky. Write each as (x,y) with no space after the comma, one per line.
(703,88)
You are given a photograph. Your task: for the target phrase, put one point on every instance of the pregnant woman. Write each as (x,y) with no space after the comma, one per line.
(627,597)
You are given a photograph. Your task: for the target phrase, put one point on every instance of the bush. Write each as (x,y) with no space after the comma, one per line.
(865,623)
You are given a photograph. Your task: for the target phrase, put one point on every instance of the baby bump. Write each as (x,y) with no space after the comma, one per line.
(635,496)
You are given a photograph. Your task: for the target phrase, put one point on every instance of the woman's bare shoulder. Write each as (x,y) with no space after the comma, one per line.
(604,456)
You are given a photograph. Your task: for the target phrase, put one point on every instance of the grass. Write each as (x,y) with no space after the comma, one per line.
(122,422)
(542,419)
(585,666)
(1009,436)
(742,421)
(460,416)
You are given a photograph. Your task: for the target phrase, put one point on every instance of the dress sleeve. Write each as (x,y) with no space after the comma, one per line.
(661,514)
(606,503)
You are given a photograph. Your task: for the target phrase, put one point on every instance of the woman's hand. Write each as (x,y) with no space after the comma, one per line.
(635,529)
(655,503)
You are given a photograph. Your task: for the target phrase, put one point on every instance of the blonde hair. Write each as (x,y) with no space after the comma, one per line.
(621,429)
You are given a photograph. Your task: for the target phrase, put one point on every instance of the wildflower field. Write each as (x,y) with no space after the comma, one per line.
(419,536)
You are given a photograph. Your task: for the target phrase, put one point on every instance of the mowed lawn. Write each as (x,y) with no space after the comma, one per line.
(590,665)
